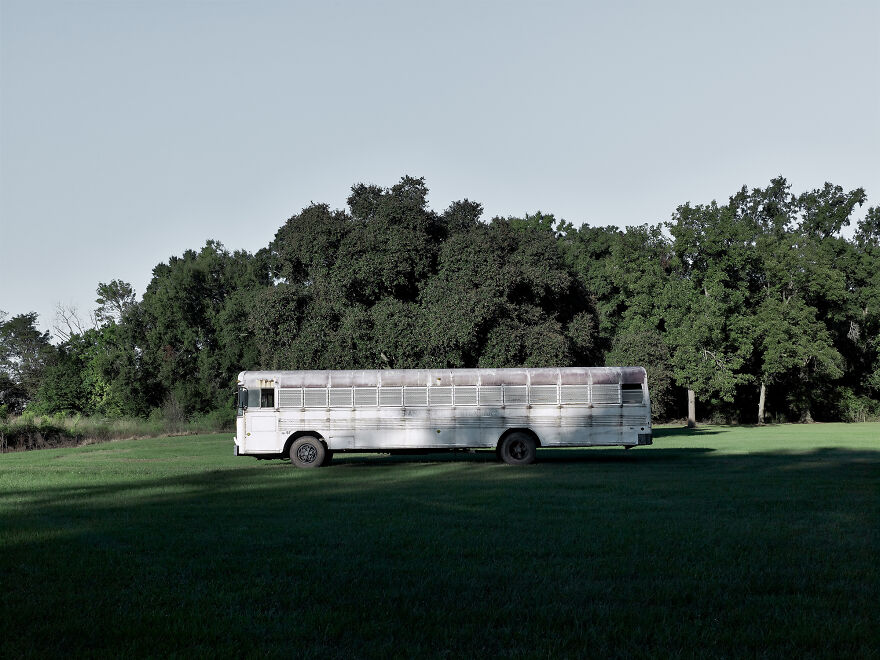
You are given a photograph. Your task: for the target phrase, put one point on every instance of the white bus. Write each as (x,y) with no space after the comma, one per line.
(309,415)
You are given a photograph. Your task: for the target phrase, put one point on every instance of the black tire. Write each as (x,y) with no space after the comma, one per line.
(328,458)
(518,449)
(308,452)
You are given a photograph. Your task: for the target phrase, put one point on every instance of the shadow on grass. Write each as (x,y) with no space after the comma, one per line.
(685,432)
(547,455)
(753,554)
(253,474)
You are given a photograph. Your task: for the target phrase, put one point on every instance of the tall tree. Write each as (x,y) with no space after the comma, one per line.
(115,298)
(864,282)
(24,354)
(391,245)
(183,325)
(792,343)
(800,293)
(703,301)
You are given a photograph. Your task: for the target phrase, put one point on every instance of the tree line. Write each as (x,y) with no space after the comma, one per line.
(757,309)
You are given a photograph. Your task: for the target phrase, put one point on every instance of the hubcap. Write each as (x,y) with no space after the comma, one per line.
(307,453)
(518,450)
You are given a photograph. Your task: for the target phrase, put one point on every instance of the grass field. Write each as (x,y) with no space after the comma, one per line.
(716,542)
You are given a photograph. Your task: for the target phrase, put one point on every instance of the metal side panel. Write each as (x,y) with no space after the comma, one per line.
(295,420)
(261,431)
(423,427)
(609,435)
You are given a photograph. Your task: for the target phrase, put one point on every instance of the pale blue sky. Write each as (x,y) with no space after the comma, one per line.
(131,131)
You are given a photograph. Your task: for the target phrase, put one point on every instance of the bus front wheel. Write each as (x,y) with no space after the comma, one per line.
(308,452)
(518,449)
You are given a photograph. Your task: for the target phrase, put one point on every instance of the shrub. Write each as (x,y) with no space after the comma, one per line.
(31,431)
(856,408)
(36,433)
(222,419)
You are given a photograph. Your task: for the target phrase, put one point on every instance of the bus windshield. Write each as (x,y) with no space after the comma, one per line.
(241,400)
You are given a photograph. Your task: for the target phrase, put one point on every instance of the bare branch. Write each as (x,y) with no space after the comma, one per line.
(67,322)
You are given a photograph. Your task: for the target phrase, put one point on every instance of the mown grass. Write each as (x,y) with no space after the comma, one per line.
(717,542)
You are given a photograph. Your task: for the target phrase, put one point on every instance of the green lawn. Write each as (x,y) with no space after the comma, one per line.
(722,541)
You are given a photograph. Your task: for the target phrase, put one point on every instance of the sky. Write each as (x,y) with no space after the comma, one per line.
(131,131)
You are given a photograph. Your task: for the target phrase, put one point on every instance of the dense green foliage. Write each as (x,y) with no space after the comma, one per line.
(725,542)
(760,306)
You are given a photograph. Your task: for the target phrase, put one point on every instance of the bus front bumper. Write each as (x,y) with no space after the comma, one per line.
(646,439)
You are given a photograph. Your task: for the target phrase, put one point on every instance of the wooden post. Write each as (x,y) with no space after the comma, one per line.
(692,409)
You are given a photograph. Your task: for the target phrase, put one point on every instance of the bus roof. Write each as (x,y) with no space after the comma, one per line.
(441,377)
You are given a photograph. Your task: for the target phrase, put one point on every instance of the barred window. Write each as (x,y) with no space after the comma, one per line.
(315,397)
(390,396)
(366,397)
(465,395)
(606,394)
(543,394)
(291,397)
(516,395)
(340,397)
(575,393)
(440,396)
(415,396)
(491,395)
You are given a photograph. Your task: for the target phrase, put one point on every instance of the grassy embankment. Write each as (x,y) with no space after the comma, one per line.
(720,541)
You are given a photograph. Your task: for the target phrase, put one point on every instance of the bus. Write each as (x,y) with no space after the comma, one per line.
(310,415)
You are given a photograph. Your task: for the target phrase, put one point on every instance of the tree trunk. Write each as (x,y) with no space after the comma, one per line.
(761,401)
(692,409)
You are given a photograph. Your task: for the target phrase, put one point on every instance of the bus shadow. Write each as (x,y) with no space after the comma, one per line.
(554,455)
(685,432)
(620,455)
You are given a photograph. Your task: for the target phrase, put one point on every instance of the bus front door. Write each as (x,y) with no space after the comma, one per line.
(261,422)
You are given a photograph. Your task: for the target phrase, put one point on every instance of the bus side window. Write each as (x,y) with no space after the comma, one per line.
(632,393)
(267,398)
(253,398)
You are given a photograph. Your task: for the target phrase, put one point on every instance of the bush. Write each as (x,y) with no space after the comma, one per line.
(31,431)
(855,408)
(36,433)
(216,420)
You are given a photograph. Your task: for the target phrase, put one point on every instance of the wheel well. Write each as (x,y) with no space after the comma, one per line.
(526,431)
(299,434)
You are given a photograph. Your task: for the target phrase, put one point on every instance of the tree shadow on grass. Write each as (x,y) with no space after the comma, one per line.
(418,555)
(271,473)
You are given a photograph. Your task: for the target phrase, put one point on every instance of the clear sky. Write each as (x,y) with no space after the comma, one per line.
(133,130)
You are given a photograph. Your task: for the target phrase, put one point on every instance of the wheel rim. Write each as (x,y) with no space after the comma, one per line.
(518,449)
(307,453)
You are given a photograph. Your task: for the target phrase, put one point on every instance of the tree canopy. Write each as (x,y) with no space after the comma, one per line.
(763,306)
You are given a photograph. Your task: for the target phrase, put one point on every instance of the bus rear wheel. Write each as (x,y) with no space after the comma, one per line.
(308,452)
(518,449)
